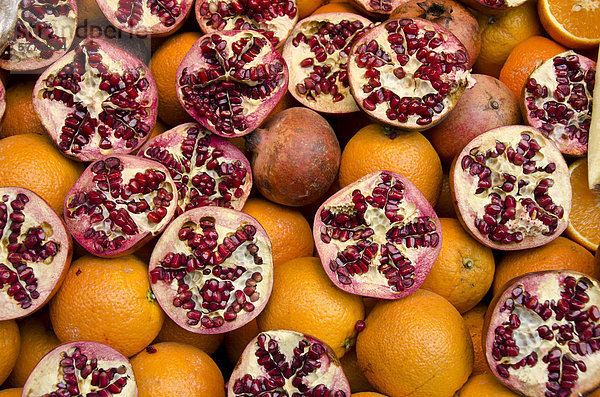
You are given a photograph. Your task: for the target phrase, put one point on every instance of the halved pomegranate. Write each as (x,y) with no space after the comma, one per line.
(287,363)
(36,252)
(378,236)
(88,369)
(542,334)
(408,73)
(493,6)
(557,100)
(2,100)
(10,15)
(97,100)
(511,188)
(212,270)
(229,82)
(120,203)
(377,8)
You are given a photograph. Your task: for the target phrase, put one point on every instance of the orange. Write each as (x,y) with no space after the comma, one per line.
(336,7)
(356,379)
(572,23)
(107,301)
(485,385)
(584,221)
(163,65)
(464,270)
(307,7)
(524,58)
(501,33)
(444,206)
(290,233)
(15,392)
(10,344)
(36,341)
(177,369)
(474,321)
(171,332)
(19,117)
(33,162)
(305,300)
(375,148)
(368,394)
(565,254)
(418,346)
(237,340)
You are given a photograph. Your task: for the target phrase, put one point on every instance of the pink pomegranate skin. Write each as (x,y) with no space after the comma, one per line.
(2,100)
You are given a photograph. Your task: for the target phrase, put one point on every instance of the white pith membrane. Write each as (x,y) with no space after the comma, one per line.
(188,151)
(31,274)
(241,285)
(472,199)
(84,214)
(594,139)
(85,115)
(107,372)
(374,84)
(223,77)
(248,371)
(413,233)
(335,48)
(529,369)
(545,75)
(10,13)
(27,49)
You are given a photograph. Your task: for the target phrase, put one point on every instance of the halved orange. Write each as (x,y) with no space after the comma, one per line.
(584,222)
(573,23)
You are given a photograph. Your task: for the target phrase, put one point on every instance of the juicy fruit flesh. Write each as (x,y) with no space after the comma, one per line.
(139,13)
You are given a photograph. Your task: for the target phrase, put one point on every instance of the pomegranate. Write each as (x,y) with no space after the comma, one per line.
(88,369)
(207,169)
(275,19)
(97,100)
(36,252)
(230,81)
(320,80)
(293,137)
(486,105)
(450,14)
(288,363)
(408,73)
(10,15)
(120,203)
(557,100)
(212,270)
(511,188)
(493,6)
(542,334)
(43,32)
(379,9)
(378,237)
(2,100)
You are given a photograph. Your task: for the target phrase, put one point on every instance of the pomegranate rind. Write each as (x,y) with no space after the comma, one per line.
(377,9)
(594,138)
(53,271)
(2,100)
(500,7)
(10,14)
(227,222)
(413,208)
(78,225)
(546,286)
(329,373)
(48,373)
(53,113)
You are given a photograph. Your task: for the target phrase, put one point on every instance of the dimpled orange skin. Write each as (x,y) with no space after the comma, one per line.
(10,344)
(14,392)
(368,394)
(171,332)
(485,385)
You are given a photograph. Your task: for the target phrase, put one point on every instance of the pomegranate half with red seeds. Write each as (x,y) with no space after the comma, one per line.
(97,100)
(43,32)
(511,188)
(120,203)
(10,15)
(557,100)
(317,57)
(212,270)
(88,369)
(206,169)
(275,19)
(408,73)
(36,252)
(379,9)
(542,334)
(229,82)
(288,363)
(378,236)
(493,6)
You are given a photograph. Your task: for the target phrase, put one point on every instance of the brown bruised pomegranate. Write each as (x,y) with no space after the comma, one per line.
(230,81)
(212,270)
(378,236)
(511,188)
(88,369)
(408,73)
(542,334)
(287,363)
(493,6)
(120,203)
(557,100)
(97,100)
(36,252)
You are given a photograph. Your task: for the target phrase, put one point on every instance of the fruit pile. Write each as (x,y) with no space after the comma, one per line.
(299,198)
